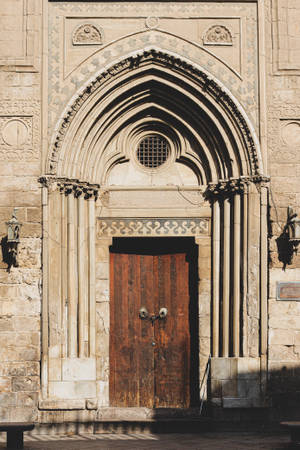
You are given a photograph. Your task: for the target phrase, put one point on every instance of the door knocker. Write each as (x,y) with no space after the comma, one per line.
(143,314)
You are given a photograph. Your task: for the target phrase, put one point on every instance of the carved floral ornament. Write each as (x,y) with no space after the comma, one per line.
(66,186)
(153,56)
(218,35)
(87,34)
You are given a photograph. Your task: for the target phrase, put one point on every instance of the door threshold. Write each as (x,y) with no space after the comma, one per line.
(143,413)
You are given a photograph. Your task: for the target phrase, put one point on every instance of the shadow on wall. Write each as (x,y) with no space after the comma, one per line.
(285,249)
(244,398)
(8,256)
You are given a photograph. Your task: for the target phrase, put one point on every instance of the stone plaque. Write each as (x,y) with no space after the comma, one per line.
(288,291)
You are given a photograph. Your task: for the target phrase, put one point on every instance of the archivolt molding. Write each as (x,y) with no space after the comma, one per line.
(208,86)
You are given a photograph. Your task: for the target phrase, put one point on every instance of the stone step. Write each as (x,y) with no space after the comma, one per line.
(159,425)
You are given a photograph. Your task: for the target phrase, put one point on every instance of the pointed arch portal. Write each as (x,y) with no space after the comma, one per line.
(152,147)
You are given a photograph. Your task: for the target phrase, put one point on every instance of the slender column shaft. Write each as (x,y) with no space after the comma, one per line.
(64,276)
(216,276)
(81,276)
(92,278)
(226,278)
(245,272)
(264,270)
(71,268)
(45,336)
(236,275)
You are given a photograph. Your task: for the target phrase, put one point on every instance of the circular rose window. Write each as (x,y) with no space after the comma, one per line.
(153,151)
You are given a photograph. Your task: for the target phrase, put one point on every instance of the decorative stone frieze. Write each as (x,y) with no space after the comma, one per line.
(218,35)
(87,34)
(152,227)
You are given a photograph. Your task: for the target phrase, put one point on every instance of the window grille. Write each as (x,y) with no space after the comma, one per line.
(153,151)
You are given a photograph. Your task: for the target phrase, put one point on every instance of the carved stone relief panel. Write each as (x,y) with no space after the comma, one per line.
(87,34)
(218,35)
(19,40)
(290,132)
(127,30)
(286,36)
(19,130)
(223,37)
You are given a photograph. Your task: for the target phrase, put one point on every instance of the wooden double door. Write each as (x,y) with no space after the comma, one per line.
(153,323)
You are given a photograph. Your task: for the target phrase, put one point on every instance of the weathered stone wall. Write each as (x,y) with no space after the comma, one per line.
(283,109)
(20,287)
(21,136)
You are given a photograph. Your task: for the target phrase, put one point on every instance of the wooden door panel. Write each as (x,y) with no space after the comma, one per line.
(131,352)
(172,353)
(150,364)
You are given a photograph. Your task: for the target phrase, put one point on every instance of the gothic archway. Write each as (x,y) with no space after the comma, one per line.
(214,154)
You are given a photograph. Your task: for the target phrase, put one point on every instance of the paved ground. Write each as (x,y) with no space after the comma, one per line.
(211,441)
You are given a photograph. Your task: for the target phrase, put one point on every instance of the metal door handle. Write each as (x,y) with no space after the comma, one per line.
(162,313)
(143,313)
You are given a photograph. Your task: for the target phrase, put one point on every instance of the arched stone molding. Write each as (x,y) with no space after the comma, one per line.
(211,136)
(100,103)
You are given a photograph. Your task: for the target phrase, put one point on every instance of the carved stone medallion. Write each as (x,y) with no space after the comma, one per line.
(152,22)
(291,133)
(15,133)
(87,34)
(217,35)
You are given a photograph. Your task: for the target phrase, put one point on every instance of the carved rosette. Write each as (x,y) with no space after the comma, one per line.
(218,35)
(67,187)
(87,34)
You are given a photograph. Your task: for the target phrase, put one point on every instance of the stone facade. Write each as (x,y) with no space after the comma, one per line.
(81,84)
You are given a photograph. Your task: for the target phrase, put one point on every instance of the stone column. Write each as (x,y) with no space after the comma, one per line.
(69,365)
(91,273)
(216,277)
(72,277)
(263,283)
(236,274)
(81,265)
(45,338)
(226,278)
(244,334)
(253,294)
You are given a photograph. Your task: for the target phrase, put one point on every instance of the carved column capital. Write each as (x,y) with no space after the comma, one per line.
(68,186)
(226,188)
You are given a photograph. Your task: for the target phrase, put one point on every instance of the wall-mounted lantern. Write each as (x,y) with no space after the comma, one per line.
(293,229)
(13,238)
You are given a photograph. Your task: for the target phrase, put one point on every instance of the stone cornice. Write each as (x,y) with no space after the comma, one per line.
(206,84)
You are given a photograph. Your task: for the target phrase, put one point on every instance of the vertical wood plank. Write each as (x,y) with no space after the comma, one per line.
(146,350)
(172,368)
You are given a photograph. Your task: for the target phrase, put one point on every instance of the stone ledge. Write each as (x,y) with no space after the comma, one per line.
(53,404)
